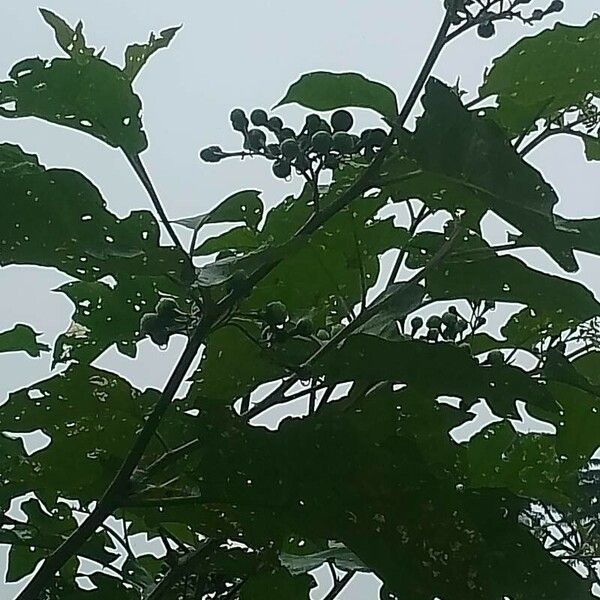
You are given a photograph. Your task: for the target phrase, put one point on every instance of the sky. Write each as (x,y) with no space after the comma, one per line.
(235,53)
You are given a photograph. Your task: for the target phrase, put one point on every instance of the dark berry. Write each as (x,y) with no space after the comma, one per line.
(377,137)
(275,124)
(256,139)
(495,358)
(486,30)
(434,322)
(342,142)
(290,149)
(275,313)
(416,323)
(281,169)
(341,120)
(212,154)
(312,124)
(239,120)
(286,134)
(274,149)
(304,327)
(259,117)
(149,323)
(321,142)
(331,162)
(167,307)
(556,6)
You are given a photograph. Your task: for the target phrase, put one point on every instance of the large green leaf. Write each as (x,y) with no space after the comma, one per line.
(473,152)
(323,90)
(80,410)
(543,74)
(57,218)
(84,91)
(22,338)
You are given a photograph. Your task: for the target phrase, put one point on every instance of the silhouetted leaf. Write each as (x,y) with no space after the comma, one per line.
(137,55)
(323,90)
(22,338)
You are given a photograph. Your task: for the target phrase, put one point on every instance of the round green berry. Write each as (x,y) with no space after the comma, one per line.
(304,327)
(282,169)
(290,149)
(449,319)
(486,30)
(342,142)
(276,313)
(416,323)
(434,322)
(149,322)
(212,154)
(286,133)
(323,335)
(331,162)
(259,117)
(341,120)
(239,120)
(275,124)
(321,142)
(256,139)
(167,307)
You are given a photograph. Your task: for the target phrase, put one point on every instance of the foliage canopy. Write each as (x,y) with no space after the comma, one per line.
(295,304)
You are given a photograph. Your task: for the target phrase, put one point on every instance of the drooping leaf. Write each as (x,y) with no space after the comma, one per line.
(22,338)
(323,90)
(137,55)
(245,207)
(466,149)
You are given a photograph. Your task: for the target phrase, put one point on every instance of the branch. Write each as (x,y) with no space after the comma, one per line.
(140,171)
(178,570)
(338,586)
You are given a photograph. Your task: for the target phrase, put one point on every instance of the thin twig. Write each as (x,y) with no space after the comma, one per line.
(339,585)
(137,165)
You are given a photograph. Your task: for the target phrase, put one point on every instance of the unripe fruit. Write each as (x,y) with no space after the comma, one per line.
(461,325)
(281,169)
(160,337)
(321,142)
(561,347)
(323,335)
(290,149)
(495,358)
(452,309)
(256,139)
(286,134)
(274,149)
(167,307)
(259,117)
(433,334)
(480,321)
(449,319)
(342,142)
(212,154)
(304,327)
(377,137)
(275,313)
(433,322)
(238,118)
(489,305)
(275,124)
(149,322)
(312,124)
(556,6)
(416,323)
(341,120)
(486,30)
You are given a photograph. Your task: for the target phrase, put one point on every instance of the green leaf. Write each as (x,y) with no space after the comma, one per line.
(83,92)
(276,586)
(323,90)
(246,207)
(137,55)
(22,338)
(79,410)
(72,41)
(543,74)
(473,152)
(238,239)
(57,218)
(592,147)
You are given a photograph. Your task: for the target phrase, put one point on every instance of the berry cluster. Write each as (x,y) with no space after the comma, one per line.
(166,320)
(484,13)
(451,326)
(319,145)
(278,326)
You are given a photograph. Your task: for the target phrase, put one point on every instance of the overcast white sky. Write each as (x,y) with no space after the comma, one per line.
(233,53)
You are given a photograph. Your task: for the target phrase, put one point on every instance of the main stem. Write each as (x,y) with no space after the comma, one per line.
(119,485)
